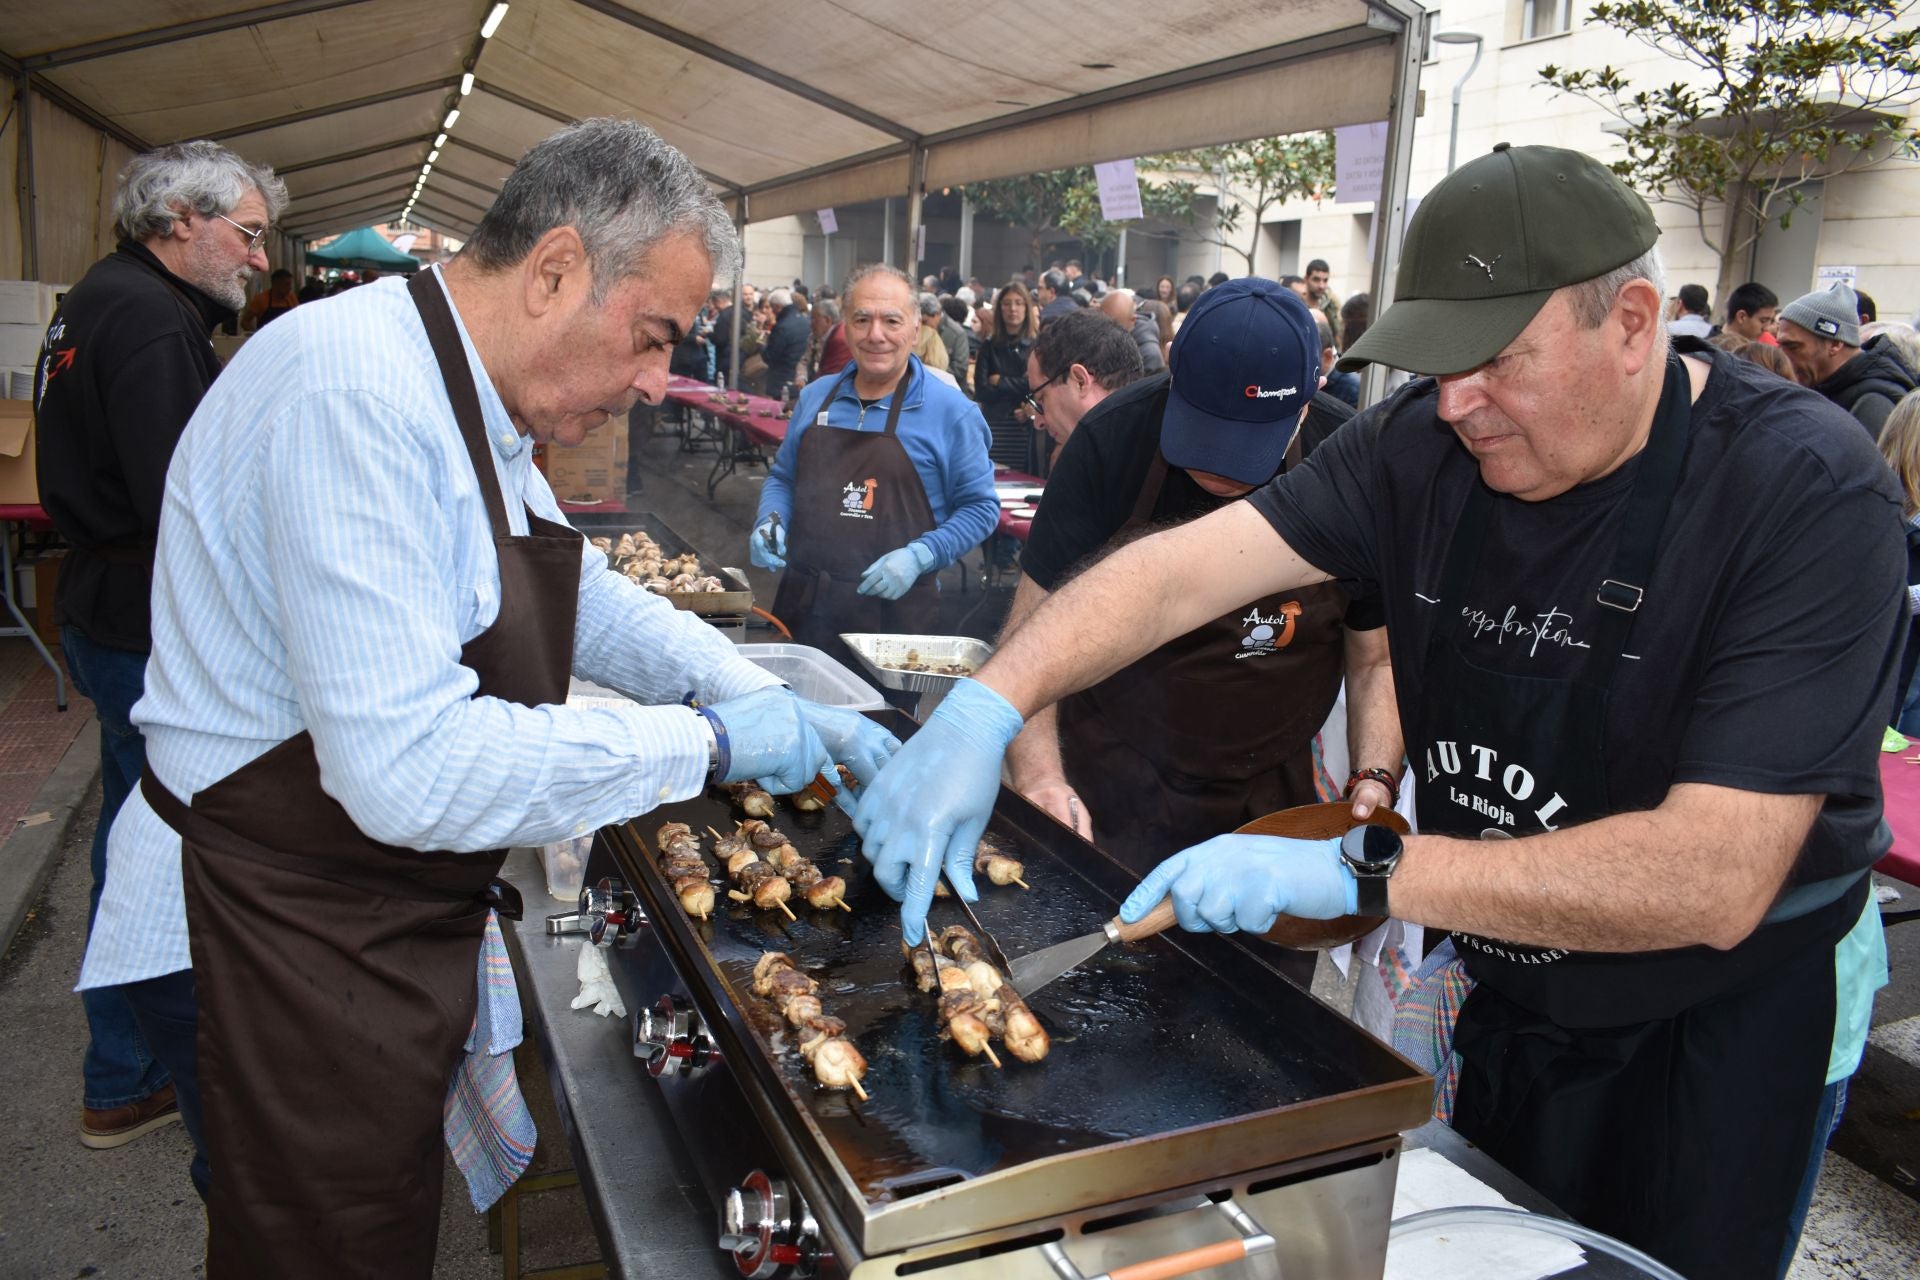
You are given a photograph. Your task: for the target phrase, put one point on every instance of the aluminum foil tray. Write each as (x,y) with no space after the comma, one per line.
(876,651)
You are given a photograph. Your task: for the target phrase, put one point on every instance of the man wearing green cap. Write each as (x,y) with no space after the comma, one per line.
(1643,602)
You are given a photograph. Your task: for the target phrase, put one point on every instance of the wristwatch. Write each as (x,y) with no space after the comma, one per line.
(1372,852)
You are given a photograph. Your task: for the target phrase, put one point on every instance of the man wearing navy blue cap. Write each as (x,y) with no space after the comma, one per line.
(1215,727)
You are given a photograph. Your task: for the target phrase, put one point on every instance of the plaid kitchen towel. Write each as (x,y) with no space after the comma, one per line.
(487,1126)
(1423,1021)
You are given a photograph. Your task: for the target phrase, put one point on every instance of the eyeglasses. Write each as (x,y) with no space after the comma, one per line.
(1032,398)
(253,237)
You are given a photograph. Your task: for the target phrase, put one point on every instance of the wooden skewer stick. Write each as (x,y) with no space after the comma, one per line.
(992,1057)
(1022,883)
(715,834)
(842,904)
(783,909)
(855,1084)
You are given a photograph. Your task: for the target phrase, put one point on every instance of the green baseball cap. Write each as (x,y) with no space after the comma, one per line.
(1488,247)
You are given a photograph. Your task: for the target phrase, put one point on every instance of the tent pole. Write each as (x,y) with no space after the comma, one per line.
(886,231)
(1390,211)
(965,267)
(916,195)
(29,230)
(739,281)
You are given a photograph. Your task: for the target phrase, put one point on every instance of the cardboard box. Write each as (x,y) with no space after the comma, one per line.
(594,470)
(46,587)
(18,483)
(20,344)
(20,301)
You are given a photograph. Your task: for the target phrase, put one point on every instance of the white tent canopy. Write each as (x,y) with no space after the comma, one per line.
(786,108)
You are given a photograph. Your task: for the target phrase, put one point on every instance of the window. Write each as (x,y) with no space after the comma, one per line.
(1545,18)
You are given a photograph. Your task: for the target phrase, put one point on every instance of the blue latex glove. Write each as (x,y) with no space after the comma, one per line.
(930,804)
(852,740)
(1234,882)
(770,740)
(892,574)
(772,558)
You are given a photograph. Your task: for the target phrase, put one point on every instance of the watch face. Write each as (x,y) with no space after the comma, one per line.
(1378,842)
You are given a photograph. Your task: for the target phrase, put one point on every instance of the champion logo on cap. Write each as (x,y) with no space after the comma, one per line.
(1261,393)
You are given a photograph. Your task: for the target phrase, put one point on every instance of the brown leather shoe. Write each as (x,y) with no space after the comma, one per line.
(117,1126)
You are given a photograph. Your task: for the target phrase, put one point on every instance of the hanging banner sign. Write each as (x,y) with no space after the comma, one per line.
(828,223)
(1119,186)
(1359,162)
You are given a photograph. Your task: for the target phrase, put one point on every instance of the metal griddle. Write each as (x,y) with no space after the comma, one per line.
(736,599)
(1176,1060)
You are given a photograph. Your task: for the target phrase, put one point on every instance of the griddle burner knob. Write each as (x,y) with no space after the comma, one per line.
(767,1229)
(670,1037)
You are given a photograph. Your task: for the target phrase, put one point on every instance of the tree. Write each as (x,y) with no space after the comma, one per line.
(1254,177)
(1069,200)
(1785,93)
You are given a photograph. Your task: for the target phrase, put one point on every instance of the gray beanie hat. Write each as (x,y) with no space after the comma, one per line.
(1830,313)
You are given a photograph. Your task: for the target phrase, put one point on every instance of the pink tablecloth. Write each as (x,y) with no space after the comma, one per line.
(1900,783)
(760,418)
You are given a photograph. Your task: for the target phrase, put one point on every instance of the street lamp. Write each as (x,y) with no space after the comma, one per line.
(1459,37)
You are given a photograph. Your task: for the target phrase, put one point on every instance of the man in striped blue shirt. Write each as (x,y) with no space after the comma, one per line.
(366,604)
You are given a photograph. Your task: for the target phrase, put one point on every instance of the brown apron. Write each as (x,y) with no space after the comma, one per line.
(856,496)
(336,974)
(1210,730)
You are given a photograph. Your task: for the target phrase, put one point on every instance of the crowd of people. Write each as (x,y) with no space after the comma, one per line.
(328,609)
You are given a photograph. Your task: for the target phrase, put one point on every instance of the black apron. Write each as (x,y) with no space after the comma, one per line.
(1212,729)
(336,973)
(1666,1098)
(856,496)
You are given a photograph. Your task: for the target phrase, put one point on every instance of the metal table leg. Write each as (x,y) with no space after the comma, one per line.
(23,629)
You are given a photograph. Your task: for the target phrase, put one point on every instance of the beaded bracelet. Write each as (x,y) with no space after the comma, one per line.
(1380,776)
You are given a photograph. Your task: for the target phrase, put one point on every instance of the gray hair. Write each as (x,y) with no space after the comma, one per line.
(780,299)
(929,305)
(829,308)
(1592,300)
(620,187)
(873,269)
(1900,337)
(204,177)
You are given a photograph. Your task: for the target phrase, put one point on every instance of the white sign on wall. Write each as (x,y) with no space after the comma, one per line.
(828,223)
(1826,277)
(1359,161)
(1119,186)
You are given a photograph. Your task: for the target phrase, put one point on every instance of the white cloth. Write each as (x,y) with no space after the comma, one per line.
(324,554)
(597,991)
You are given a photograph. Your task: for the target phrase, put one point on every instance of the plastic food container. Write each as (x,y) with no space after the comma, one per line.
(566,864)
(814,676)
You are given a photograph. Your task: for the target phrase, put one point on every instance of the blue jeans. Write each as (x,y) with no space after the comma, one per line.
(119,1067)
(169,1015)
(1833,1103)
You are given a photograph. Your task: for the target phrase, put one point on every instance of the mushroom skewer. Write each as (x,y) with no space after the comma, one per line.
(994,1002)
(822,892)
(759,883)
(837,1064)
(685,869)
(754,802)
(997,866)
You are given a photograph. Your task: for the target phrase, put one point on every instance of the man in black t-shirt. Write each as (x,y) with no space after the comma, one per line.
(1645,610)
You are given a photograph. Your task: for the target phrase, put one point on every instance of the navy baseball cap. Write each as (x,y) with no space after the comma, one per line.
(1246,359)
